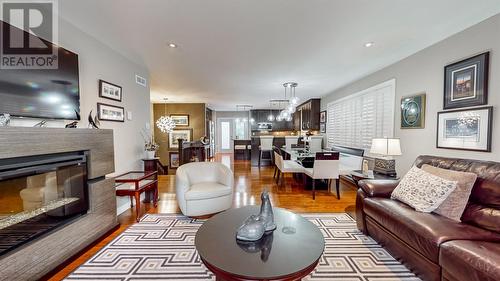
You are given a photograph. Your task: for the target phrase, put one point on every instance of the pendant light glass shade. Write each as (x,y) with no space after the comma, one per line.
(270,117)
(165,123)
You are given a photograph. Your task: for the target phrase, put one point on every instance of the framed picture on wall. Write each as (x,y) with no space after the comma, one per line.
(413,112)
(173,159)
(180,120)
(176,134)
(468,129)
(110,91)
(322,117)
(108,112)
(322,127)
(466,82)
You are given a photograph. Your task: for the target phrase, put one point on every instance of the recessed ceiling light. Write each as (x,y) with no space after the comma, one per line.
(369,44)
(172,45)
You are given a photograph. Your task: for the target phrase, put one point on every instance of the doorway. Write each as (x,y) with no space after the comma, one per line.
(229,129)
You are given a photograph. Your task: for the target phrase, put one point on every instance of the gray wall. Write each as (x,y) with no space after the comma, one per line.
(98,61)
(423,72)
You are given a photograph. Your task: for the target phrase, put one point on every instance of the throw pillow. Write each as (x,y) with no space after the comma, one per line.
(453,207)
(423,191)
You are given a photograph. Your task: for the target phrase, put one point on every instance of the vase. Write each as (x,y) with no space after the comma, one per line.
(149,154)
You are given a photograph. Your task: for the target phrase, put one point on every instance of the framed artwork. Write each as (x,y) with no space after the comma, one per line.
(322,127)
(185,134)
(110,91)
(413,112)
(108,112)
(180,120)
(468,129)
(173,159)
(322,117)
(466,82)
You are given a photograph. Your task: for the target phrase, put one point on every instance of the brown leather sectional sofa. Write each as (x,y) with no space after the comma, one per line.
(435,247)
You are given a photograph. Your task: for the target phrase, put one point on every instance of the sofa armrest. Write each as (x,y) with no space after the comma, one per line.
(378,188)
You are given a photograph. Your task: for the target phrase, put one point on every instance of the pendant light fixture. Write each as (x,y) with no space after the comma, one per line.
(271,117)
(293,100)
(165,123)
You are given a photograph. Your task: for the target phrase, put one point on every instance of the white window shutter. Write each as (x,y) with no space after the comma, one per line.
(356,119)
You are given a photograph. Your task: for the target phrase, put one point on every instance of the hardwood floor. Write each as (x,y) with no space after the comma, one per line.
(249,183)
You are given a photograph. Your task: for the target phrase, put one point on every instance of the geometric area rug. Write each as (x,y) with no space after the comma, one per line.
(161,247)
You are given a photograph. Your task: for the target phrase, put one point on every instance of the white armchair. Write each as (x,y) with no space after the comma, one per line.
(204,188)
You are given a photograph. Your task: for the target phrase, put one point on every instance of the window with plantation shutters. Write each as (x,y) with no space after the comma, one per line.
(356,119)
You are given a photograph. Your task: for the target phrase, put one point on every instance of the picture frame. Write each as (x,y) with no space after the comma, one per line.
(181,120)
(466,82)
(173,159)
(465,129)
(413,111)
(322,116)
(107,112)
(186,134)
(110,91)
(322,127)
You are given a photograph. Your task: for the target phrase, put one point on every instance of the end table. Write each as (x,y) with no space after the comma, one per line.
(134,183)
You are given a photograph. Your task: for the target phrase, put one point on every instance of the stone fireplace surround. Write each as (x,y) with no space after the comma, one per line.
(38,257)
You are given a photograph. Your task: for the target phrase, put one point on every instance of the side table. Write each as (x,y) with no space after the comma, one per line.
(134,183)
(358,175)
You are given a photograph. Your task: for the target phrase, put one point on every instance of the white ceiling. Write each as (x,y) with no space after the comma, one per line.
(240,52)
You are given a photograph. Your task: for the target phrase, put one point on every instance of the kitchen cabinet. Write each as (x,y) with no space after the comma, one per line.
(260,116)
(309,112)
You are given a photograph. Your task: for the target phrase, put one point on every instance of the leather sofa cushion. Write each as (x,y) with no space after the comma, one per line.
(486,190)
(471,260)
(424,232)
(207,190)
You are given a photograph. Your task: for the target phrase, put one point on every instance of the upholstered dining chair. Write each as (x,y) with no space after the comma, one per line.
(266,146)
(315,143)
(204,188)
(285,167)
(326,167)
(289,140)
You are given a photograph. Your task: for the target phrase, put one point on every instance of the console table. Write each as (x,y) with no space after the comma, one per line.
(134,183)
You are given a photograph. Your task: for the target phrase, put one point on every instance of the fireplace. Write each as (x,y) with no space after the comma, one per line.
(39,194)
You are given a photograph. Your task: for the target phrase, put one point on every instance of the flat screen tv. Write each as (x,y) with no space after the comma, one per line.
(42,93)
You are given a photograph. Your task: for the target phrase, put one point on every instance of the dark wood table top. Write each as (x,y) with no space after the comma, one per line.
(290,252)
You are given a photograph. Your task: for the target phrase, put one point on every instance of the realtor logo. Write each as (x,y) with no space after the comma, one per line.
(28,35)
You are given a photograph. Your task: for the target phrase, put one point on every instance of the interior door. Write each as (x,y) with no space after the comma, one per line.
(225,135)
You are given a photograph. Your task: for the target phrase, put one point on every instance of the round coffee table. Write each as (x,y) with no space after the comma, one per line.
(290,252)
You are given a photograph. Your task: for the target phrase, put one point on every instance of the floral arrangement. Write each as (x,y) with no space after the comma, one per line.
(149,143)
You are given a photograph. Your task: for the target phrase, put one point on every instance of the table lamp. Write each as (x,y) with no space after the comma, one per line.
(386,148)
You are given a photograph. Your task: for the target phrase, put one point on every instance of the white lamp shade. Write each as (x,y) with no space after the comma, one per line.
(385,146)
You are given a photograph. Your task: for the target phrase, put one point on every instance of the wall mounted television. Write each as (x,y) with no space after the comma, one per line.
(42,93)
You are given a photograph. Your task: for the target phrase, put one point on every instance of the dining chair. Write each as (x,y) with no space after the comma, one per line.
(282,167)
(266,145)
(291,140)
(326,167)
(315,143)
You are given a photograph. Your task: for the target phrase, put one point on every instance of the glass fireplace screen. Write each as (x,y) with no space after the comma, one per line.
(39,194)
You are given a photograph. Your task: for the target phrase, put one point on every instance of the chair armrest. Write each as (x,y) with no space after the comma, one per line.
(226,176)
(182,184)
(378,188)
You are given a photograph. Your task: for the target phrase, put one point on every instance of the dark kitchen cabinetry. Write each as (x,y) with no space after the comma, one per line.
(260,116)
(310,115)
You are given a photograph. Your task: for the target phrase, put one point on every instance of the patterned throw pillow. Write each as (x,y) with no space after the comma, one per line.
(423,191)
(454,205)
